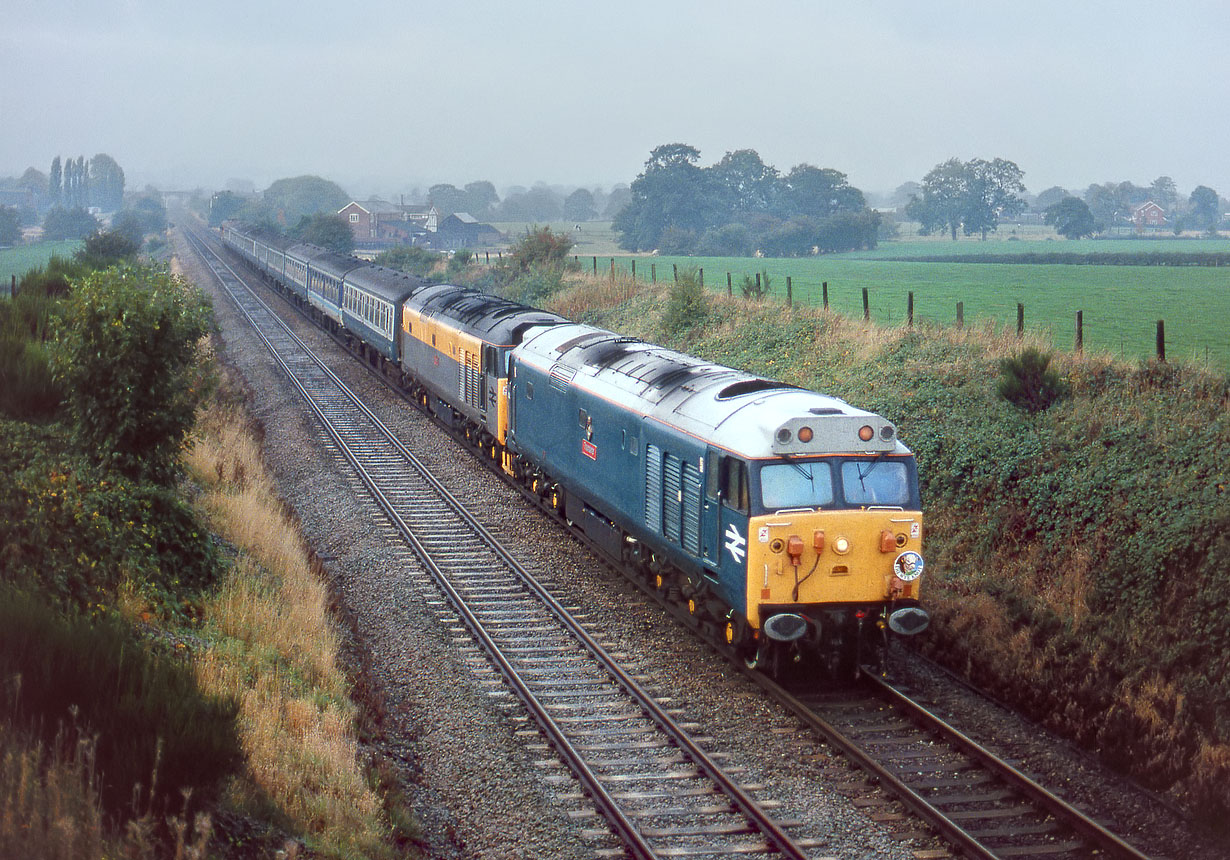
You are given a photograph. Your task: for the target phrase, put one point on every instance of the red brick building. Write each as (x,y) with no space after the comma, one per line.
(1148,214)
(378,223)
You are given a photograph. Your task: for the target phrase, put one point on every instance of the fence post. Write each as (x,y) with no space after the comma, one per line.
(758,283)
(730,289)
(487,254)
(634,269)
(675,269)
(612,270)
(909,311)
(1020,320)
(789,293)
(960,315)
(702,276)
(653,272)
(1080,331)
(866,306)
(1161,341)
(12,286)
(825,287)
(595,265)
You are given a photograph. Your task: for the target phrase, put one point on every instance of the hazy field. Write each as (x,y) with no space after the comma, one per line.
(18,261)
(1121,304)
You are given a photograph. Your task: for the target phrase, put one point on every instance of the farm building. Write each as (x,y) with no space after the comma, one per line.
(1148,214)
(462,230)
(379,224)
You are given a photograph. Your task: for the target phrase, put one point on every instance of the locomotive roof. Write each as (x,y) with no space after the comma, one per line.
(735,410)
(492,318)
(389,284)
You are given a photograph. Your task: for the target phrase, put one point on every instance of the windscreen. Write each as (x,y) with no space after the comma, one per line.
(875,482)
(796,485)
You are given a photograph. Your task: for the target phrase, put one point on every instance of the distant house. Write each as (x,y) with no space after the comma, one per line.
(1148,214)
(378,224)
(462,230)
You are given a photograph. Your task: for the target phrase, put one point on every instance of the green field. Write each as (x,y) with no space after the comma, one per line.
(1121,304)
(17,261)
(1034,243)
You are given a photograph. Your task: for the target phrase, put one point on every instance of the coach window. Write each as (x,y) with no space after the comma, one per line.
(733,483)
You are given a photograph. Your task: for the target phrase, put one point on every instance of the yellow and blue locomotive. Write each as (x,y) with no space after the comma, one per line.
(789,519)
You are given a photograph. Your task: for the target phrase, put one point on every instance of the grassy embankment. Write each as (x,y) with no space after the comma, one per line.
(163,691)
(1077,557)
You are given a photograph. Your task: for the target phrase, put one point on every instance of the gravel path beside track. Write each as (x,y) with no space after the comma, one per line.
(474,776)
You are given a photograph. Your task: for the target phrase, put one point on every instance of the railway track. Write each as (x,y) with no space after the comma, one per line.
(660,792)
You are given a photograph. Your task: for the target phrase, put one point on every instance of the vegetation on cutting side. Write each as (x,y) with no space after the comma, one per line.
(151,673)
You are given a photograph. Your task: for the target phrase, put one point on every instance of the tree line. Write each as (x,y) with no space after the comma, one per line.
(539,203)
(741,205)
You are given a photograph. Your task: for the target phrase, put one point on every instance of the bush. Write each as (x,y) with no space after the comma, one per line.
(127,357)
(540,248)
(409,258)
(1027,382)
(686,304)
(104,248)
(96,677)
(756,287)
(27,389)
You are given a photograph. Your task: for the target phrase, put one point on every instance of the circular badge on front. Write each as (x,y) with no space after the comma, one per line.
(908,566)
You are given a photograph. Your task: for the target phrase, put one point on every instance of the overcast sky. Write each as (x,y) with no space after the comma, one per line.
(387,95)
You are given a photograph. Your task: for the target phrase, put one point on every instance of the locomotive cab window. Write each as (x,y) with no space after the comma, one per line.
(875,482)
(796,484)
(732,482)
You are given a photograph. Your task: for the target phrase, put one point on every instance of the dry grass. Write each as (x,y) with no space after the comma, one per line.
(277,654)
(50,809)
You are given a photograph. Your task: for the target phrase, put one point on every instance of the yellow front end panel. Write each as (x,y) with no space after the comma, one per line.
(863,573)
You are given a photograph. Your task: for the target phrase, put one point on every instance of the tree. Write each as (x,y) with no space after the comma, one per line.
(941,204)
(620,196)
(539,203)
(10,226)
(150,213)
(62,223)
(1204,205)
(223,206)
(818,193)
(55,181)
(579,206)
(1164,193)
(972,196)
(481,199)
(447,198)
(671,192)
(1050,197)
(327,231)
(286,201)
(1071,217)
(106,183)
(128,356)
(742,182)
(992,189)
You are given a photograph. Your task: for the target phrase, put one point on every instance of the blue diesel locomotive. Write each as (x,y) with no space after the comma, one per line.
(786,520)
